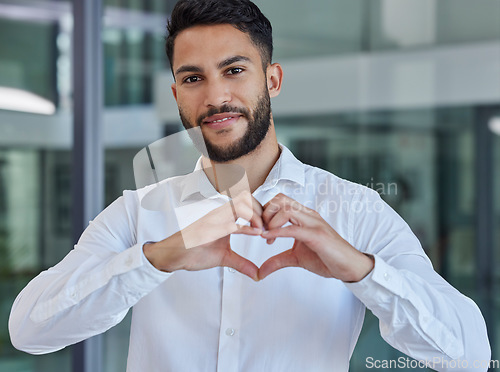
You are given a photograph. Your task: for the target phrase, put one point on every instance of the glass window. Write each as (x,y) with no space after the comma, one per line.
(35,234)
(315,28)
(481,16)
(34,185)
(325,27)
(27,62)
(133,53)
(131,59)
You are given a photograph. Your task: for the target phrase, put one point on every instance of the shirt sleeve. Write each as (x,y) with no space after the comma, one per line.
(419,313)
(91,289)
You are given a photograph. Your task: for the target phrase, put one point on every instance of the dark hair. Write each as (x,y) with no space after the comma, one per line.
(242,14)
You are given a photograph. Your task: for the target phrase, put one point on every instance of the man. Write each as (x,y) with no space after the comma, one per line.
(200,285)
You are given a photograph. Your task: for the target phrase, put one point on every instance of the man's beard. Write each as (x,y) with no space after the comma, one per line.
(257,129)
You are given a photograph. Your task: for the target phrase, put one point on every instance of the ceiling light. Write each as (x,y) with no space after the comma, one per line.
(20,100)
(494,125)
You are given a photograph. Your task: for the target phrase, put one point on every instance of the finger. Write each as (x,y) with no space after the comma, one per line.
(256,206)
(241,264)
(282,209)
(292,231)
(296,215)
(280,261)
(280,218)
(243,205)
(256,219)
(248,230)
(270,209)
(248,208)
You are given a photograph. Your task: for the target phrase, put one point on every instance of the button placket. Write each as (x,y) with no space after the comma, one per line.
(229,342)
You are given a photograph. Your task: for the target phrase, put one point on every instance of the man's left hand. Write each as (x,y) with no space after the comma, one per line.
(317,247)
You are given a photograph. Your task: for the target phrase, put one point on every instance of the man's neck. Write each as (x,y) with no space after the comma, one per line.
(249,171)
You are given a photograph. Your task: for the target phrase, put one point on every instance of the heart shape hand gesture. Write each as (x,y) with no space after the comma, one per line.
(205,243)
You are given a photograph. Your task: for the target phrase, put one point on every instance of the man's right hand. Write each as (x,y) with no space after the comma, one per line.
(205,243)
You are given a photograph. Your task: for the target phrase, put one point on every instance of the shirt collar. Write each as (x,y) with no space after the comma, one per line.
(197,182)
(288,168)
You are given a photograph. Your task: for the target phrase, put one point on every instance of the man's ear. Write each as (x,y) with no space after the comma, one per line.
(274,79)
(174,91)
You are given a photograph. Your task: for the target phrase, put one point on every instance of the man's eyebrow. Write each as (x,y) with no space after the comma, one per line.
(222,64)
(188,68)
(231,60)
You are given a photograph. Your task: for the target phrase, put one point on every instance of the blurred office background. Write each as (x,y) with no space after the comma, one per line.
(399,95)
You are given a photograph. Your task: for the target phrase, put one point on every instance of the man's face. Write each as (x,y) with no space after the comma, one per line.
(221,87)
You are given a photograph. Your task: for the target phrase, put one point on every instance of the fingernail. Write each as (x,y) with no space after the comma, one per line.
(265,232)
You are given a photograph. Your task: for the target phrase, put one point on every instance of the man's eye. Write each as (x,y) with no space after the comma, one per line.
(235,70)
(191,79)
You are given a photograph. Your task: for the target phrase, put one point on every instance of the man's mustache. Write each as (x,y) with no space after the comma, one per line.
(220,110)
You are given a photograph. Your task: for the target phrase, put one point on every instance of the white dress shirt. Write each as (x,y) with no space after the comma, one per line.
(219,319)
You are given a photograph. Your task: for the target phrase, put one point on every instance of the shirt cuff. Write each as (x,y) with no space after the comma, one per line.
(140,273)
(378,286)
(378,291)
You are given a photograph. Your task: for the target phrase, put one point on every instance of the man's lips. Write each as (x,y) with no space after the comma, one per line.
(220,121)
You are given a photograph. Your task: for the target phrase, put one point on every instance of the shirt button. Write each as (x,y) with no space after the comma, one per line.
(387,277)
(231,270)
(230,331)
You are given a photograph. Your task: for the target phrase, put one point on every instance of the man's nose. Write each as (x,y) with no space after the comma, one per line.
(217,93)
